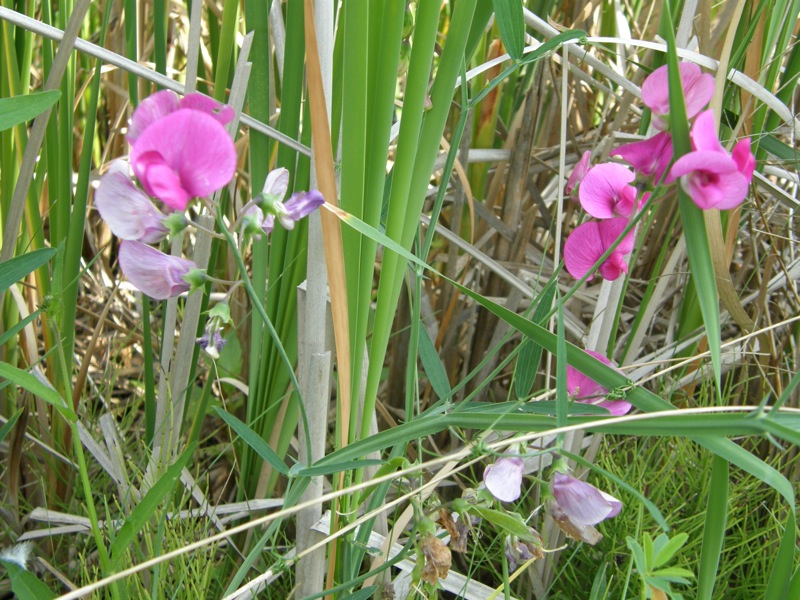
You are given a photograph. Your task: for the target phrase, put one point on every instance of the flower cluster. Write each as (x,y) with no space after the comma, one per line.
(181,150)
(612,192)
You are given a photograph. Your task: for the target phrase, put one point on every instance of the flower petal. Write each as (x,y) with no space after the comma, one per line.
(582,249)
(303,204)
(698,88)
(196,101)
(712,179)
(583,503)
(277,183)
(578,173)
(744,159)
(704,133)
(650,157)
(604,191)
(581,386)
(126,209)
(194,146)
(504,478)
(150,110)
(154,273)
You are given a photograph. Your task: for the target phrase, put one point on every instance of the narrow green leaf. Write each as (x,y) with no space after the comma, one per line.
(638,555)
(509,522)
(25,584)
(6,429)
(714,529)
(147,506)
(511,24)
(433,365)
(15,269)
(7,335)
(27,381)
(665,553)
(363,594)
(20,109)
(673,573)
(339,467)
(254,441)
(694,227)
(530,355)
(780,578)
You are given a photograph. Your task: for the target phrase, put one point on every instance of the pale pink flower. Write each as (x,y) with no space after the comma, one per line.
(650,157)
(605,191)
(503,478)
(581,502)
(712,177)
(578,173)
(126,209)
(299,205)
(180,149)
(154,273)
(588,242)
(586,390)
(698,88)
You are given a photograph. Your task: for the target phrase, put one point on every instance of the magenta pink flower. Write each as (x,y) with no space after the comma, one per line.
(585,389)
(650,157)
(581,502)
(154,273)
(577,175)
(503,478)
(588,242)
(605,191)
(159,105)
(180,154)
(126,209)
(698,88)
(712,177)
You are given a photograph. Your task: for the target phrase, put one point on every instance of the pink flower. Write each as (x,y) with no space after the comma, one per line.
(127,210)
(584,389)
(581,502)
(588,242)
(180,154)
(650,157)
(698,88)
(154,273)
(165,102)
(577,175)
(712,177)
(605,191)
(299,205)
(503,478)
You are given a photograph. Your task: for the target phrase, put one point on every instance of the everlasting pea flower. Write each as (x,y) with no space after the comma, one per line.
(650,157)
(605,191)
(588,242)
(299,205)
(584,389)
(159,105)
(154,273)
(503,478)
(577,506)
(127,210)
(577,175)
(581,502)
(712,177)
(698,87)
(180,149)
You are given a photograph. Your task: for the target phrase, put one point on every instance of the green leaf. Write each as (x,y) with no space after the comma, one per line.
(147,506)
(15,269)
(254,441)
(665,553)
(714,529)
(638,555)
(530,355)
(28,382)
(5,429)
(25,584)
(694,226)
(20,109)
(511,24)
(433,365)
(509,522)
(328,469)
(7,335)
(671,573)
